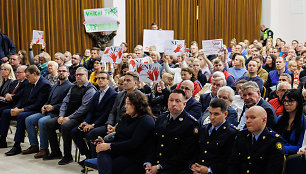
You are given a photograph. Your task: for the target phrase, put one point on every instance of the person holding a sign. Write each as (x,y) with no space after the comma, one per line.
(101,39)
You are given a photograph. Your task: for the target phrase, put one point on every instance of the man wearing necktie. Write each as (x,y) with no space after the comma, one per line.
(257,149)
(35,95)
(216,141)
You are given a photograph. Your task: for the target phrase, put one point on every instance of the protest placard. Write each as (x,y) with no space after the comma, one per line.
(211,47)
(38,37)
(112,54)
(174,47)
(133,62)
(148,72)
(156,38)
(101,19)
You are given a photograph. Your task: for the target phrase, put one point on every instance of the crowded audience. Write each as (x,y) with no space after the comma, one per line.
(184,122)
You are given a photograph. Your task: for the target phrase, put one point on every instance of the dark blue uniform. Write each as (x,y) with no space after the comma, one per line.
(175,142)
(266,155)
(216,148)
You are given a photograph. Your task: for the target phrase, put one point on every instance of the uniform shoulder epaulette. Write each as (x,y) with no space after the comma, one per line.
(274,134)
(192,117)
(234,127)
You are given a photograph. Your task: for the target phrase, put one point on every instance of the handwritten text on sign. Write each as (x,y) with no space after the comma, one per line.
(212,46)
(101,19)
(174,47)
(112,54)
(133,62)
(148,72)
(38,37)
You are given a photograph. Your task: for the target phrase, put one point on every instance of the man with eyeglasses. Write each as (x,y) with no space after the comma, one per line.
(34,96)
(217,83)
(71,114)
(94,124)
(48,111)
(277,103)
(193,107)
(75,60)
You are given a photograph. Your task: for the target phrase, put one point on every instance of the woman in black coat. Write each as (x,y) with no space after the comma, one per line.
(127,152)
(158,99)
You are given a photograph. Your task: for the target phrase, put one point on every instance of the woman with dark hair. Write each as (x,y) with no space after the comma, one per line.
(189,74)
(127,152)
(291,125)
(270,63)
(158,99)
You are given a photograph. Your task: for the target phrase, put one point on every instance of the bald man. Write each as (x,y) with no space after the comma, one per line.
(193,107)
(257,149)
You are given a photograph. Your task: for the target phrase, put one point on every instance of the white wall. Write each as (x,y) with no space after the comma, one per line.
(286,18)
(121,33)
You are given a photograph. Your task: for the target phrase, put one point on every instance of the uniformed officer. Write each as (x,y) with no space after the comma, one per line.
(256,149)
(176,138)
(216,141)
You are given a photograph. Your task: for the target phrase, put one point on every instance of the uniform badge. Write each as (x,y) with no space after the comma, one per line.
(264,137)
(279,146)
(276,135)
(195,130)
(181,119)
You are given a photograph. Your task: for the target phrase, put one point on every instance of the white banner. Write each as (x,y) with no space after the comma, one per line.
(156,38)
(38,37)
(148,72)
(212,46)
(101,19)
(174,47)
(133,62)
(112,54)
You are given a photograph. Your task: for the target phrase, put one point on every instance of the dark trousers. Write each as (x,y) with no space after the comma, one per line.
(109,164)
(78,138)
(5,124)
(65,129)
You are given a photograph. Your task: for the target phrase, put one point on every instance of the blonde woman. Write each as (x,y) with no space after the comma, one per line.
(238,70)
(6,78)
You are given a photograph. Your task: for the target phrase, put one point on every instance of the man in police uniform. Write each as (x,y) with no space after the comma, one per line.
(266,33)
(256,149)
(176,138)
(216,141)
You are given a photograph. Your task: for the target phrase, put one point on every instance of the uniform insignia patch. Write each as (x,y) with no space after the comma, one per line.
(279,146)
(195,130)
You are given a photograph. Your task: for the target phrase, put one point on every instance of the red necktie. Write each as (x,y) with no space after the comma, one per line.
(15,89)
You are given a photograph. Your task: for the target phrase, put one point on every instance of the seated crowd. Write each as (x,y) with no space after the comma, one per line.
(241,111)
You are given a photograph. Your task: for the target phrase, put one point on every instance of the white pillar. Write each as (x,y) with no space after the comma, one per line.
(121,33)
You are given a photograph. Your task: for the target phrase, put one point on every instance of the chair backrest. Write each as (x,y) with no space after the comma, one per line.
(296,164)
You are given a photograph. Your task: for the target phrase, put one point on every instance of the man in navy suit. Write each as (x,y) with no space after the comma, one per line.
(49,110)
(35,95)
(216,84)
(251,97)
(94,123)
(193,107)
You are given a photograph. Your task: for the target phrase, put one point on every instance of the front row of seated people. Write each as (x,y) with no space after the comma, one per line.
(174,142)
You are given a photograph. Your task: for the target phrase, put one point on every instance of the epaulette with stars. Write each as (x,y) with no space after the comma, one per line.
(271,132)
(192,117)
(234,127)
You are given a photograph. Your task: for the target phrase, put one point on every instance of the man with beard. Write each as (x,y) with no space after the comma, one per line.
(48,111)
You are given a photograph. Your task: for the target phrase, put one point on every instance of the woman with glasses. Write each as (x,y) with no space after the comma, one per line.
(7,76)
(93,79)
(291,125)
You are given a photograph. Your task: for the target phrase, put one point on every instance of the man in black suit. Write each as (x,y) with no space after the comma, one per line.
(193,107)
(94,123)
(252,97)
(216,141)
(175,140)
(49,110)
(257,149)
(35,95)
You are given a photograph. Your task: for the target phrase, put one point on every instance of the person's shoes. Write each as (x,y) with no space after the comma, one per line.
(81,163)
(42,153)
(13,151)
(53,156)
(31,149)
(65,160)
(3,144)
